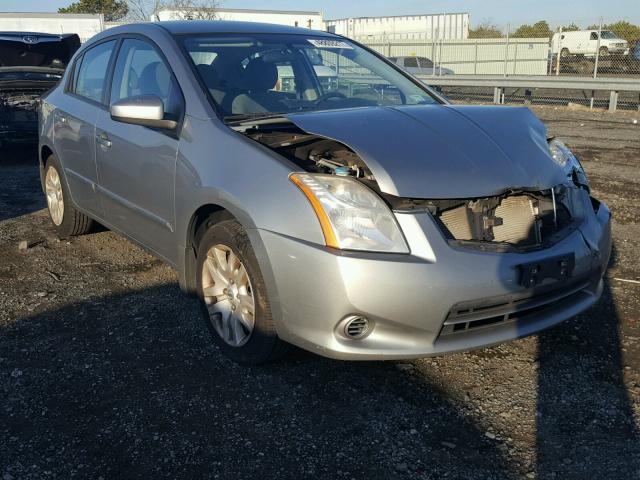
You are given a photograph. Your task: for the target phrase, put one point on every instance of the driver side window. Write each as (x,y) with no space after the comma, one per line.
(141,71)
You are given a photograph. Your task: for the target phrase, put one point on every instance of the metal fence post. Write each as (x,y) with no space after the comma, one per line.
(558,52)
(506,52)
(613,100)
(515,57)
(440,59)
(433,53)
(595,66)
(475,61)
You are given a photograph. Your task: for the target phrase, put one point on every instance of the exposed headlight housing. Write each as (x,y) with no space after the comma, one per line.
(561,154)
(352,216)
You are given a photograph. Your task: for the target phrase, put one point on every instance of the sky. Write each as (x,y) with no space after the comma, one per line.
(500,12)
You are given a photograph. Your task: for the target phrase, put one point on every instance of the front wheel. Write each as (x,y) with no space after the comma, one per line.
(234,300)
(67,220)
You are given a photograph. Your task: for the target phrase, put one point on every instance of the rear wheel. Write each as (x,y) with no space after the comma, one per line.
(233,296)
(67,220)
(564,53)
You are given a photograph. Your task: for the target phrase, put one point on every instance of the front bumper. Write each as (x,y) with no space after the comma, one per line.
(409,298)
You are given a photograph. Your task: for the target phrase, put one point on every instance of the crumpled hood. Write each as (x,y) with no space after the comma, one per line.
(443,151)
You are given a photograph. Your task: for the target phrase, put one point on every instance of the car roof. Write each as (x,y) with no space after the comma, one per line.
(181,27)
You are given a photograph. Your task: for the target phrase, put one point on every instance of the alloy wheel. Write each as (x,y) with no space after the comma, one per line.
(55,199)
(228,295)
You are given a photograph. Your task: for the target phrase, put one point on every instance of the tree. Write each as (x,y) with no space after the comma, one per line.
(191,9)
(142,10)
(622,29)
(112,10)
(572,27)
(485,30)
(539,29)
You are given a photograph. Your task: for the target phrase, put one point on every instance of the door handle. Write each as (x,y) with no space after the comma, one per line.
(103,140)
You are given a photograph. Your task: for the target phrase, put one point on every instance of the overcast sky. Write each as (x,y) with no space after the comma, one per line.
(500,12)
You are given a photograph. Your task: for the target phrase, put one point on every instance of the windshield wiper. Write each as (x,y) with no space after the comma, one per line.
(250,117)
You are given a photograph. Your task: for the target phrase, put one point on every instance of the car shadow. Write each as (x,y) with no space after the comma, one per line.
(20,191)
(592,436)
(129,385)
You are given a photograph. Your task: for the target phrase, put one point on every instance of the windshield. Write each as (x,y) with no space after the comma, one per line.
(608,35)
(37,51)
(266,74)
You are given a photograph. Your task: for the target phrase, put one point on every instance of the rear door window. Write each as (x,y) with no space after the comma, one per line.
(92,74)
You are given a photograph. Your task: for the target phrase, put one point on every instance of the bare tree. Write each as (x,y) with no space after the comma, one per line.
(192,9)
(143,10)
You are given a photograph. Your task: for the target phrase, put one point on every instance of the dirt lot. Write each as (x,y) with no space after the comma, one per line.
(106,370)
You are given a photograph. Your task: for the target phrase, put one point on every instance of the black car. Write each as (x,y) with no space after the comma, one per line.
(30,65)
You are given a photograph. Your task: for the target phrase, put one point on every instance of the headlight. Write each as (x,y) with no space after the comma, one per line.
(567,160)
(352,217)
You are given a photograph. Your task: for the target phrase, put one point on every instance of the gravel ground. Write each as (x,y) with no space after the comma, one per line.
(106,370)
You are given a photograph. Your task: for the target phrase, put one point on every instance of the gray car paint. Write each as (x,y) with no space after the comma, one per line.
(431,152)
(461,151)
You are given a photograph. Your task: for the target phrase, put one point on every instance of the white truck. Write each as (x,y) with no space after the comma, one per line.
(586,43)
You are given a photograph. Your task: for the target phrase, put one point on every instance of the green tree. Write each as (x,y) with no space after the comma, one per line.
(539,29)
(111,9)
(572,27)
(623,29)
(485,30)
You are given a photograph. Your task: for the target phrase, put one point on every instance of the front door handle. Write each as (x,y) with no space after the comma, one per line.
(103,140)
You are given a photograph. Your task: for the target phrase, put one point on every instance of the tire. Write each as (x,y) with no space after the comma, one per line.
(585,67)
(66,219)
(564,53)
(603,51)
(222,244)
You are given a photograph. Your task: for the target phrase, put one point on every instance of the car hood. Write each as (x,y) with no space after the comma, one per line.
(443,151)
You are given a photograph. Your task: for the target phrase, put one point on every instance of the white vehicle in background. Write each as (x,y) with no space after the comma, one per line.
(585,42)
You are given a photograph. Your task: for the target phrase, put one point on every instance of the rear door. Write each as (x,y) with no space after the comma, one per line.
(74,124)
(136,164)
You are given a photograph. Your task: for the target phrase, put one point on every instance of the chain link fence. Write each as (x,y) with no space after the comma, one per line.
(603,49)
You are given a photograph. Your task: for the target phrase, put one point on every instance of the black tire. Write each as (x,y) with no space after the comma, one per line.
(263,344)
(74,222)
(564,53)
(585,67)
(603,51)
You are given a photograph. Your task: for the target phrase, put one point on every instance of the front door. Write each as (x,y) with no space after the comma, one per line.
(136,164)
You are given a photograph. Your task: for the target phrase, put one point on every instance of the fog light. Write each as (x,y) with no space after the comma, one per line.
(356,327)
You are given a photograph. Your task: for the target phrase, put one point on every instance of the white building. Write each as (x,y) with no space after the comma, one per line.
(86,26)
(312,20)
(428,26)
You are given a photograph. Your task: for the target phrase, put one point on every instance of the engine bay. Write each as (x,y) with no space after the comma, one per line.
(514,220)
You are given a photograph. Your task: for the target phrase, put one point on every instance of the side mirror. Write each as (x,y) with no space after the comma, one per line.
(145,110)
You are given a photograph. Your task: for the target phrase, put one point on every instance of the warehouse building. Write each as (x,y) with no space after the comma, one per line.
(454,26)
(312,20)
(86,26)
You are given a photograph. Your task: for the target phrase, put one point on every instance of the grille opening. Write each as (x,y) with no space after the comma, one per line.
(468,318)
(519,220)
(356,327)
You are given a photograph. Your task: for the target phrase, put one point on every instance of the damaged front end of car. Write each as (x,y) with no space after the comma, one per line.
(515,219)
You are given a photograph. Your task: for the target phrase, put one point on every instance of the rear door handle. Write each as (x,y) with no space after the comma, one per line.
(103,140)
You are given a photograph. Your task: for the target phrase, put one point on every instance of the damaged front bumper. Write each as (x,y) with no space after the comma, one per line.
(440,298)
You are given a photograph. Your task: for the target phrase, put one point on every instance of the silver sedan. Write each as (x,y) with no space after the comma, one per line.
(310,192)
